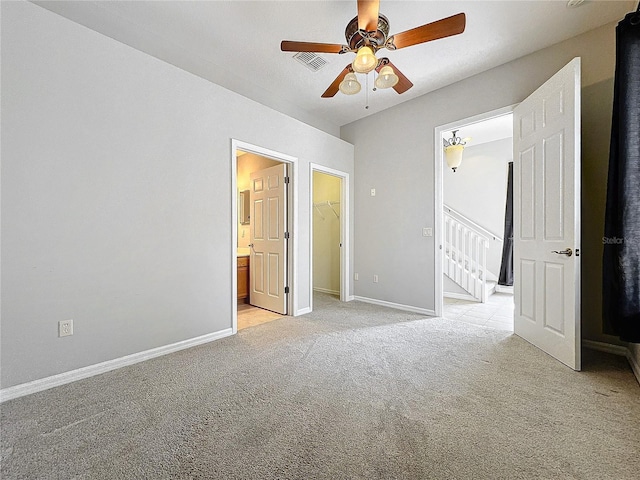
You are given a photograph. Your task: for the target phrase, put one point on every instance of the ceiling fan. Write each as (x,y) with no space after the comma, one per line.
(366,34)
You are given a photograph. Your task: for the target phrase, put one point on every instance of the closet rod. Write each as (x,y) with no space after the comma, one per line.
(329,204)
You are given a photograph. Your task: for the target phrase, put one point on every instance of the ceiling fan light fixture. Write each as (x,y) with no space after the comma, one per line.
(387,78)
(350,84)
(365,60)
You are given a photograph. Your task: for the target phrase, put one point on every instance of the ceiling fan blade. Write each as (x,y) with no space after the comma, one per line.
(289,46)
(335,86)
(403,84)
(431,31)
(368,15)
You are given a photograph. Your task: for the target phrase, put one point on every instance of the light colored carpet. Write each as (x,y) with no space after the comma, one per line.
(349,391)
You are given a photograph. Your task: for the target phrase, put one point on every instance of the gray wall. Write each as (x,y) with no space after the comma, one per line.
(399,163)
(449,286)
(478,189)
(116,196)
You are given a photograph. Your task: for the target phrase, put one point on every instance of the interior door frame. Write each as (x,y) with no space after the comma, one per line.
(292,218)
(345,253)
(438,205)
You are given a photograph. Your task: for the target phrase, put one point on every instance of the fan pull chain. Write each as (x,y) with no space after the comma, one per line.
(367,89)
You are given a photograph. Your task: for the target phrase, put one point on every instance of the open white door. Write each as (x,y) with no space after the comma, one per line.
(268,263)
(546,143)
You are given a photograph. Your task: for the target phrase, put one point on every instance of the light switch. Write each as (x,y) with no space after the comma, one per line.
(373,192)
(427,232)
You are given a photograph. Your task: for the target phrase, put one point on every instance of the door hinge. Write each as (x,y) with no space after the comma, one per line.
(286,235)
(286,289)
(286,179)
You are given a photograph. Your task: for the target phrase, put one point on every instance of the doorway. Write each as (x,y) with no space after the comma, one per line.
(546,205)
(263,222)
(329,232)
(470,221)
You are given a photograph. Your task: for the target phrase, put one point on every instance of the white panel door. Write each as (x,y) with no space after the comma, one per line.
(268,225)
(546,143)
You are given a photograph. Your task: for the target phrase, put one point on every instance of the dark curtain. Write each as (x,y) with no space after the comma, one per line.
(621,258)
(506,268)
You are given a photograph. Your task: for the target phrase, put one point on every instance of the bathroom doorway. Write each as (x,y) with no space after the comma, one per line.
(262,235)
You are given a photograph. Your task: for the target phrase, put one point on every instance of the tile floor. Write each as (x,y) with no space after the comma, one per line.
(250,316)
(496,313)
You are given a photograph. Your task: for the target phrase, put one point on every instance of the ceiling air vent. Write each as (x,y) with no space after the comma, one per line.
(310,60)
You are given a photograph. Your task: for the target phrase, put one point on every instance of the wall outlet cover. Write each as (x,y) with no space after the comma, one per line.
(65,328)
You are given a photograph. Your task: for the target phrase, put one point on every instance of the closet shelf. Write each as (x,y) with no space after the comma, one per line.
(326,204)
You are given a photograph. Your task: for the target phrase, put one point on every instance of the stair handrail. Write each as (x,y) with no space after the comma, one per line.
(487,234)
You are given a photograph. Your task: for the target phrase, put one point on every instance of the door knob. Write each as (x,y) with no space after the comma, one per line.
(567,251)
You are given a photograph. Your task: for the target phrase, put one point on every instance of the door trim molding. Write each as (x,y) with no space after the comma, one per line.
(292,222)
(345,252)
(438,171)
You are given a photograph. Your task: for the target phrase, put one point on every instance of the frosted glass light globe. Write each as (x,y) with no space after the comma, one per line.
(365,60)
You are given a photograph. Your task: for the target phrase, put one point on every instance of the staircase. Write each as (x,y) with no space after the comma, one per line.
(465,255)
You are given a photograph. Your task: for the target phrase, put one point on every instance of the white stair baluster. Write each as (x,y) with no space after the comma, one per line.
(465,256)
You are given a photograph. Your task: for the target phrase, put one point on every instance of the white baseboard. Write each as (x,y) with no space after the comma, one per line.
(103,367)
(605,347)
(325,290)
(633,361)
(616,350)
(504,289)
(350,298)
(397,306)
(459,296)
(302,311)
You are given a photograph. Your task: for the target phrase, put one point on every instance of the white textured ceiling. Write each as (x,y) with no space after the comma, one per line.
(237,43)
(485,131)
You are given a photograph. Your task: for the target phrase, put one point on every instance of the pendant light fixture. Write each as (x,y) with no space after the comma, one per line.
(453,149)
(350,84)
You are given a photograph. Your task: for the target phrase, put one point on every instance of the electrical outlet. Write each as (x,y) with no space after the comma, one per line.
(373,192)
(427,232)
(65,328)
(375,279)
(355,276)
